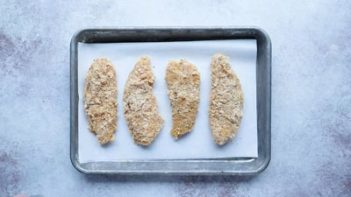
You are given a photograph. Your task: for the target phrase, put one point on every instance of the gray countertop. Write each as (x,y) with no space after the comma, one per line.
(311,96)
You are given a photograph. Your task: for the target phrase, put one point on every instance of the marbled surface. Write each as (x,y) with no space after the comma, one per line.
(311,91)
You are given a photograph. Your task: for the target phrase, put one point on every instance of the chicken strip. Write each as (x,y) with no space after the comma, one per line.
(100,100)
(140,105)
(226,100)
(183,82)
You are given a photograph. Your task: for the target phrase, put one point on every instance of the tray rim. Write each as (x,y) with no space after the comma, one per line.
(257,165)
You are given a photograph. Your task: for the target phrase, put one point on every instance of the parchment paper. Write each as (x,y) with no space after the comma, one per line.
(199,143)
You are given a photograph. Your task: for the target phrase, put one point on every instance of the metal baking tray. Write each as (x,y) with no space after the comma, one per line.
(224,166)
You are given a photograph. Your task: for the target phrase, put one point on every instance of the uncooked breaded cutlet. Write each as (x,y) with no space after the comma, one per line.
(100,100)
(140,105)
(183,82)
(226,100)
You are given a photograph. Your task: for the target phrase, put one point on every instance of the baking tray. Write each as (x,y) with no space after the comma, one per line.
(223,166)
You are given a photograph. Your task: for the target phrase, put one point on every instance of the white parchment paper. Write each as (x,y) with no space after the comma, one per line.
(197,144)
